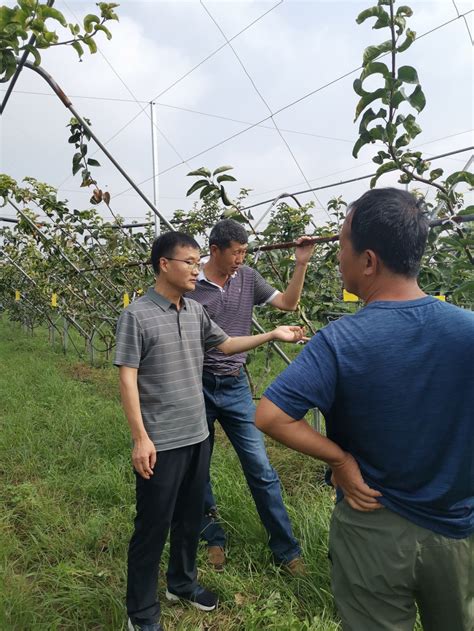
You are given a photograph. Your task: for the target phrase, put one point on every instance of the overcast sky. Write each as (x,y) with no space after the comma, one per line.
(295,49)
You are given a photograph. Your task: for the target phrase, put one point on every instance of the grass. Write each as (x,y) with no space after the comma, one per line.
(67,494)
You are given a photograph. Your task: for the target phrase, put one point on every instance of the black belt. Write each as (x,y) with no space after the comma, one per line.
(234,373)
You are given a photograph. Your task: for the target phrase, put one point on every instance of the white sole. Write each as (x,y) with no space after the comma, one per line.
(130,625)
(175,599)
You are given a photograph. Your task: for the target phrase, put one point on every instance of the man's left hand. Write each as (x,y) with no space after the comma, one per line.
(357,493)
(303,252)
(290,334)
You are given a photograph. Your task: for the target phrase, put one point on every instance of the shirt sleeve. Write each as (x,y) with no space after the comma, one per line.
(129,340)
(262,291)
(212,334)
(308,382)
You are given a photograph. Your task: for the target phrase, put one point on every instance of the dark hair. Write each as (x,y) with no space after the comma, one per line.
(393,223)
(226,231)
(165,245)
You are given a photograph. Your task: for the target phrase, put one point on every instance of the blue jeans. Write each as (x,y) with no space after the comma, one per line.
(228,400)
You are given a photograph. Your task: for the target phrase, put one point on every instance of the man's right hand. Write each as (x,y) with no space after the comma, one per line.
(144,457)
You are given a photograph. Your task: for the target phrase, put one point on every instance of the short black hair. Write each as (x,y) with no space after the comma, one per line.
(394,224)
(225,231)
(165,244)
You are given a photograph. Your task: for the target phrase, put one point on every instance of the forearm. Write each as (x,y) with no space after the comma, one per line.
(131,406)
(301,437)
(235,345)
(289,299)
(297,435)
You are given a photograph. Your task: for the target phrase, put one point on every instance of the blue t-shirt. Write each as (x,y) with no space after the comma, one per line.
(395,383)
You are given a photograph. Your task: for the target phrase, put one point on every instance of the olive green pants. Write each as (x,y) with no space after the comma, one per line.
(383,564)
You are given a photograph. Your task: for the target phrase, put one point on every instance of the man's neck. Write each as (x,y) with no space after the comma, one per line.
(212,273)
(397,288)
(168,291)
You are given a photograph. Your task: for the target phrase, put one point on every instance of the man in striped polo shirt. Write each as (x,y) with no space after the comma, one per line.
(161,340)
(228,290)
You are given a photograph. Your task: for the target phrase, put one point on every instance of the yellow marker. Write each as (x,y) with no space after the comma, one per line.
(54,300)
(17,296)
(348,297)
(441,297)
(126,300)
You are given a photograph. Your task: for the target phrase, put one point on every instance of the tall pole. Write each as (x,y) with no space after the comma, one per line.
(154,157)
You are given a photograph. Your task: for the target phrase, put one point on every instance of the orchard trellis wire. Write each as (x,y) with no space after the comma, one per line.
(74,269)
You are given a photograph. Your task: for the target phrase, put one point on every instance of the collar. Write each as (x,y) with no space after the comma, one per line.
(202,277)
(163,302)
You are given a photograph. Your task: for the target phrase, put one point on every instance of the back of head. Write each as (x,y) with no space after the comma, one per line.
(165,244)
(392,223)
(226,231)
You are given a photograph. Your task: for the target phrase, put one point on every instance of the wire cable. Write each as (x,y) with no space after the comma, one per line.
(265,102)
(285,107)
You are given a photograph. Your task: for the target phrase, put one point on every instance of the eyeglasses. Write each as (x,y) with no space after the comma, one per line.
(190,264)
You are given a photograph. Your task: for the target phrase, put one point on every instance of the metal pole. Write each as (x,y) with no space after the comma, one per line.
(154,158)
(67,103)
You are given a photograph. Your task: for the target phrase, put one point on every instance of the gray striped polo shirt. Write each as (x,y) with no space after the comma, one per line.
(167,346)
(231,308)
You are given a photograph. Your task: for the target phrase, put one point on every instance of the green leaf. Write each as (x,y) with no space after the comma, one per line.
(369,116)
(391,132)
(225,200)
(225,178)
(89,22)
(367,99)
(435,174)
(398,97)
(460,176)
(466,211)
(403,141)
(31,49)
(374,67)
(411,126)
(364,139)
(409,39)
(407,74)
(385,168)
(101,27)
(93,163)
(207,189)
(404,11)
(91,44)
(78,48)
(417,99)
(197,185)
(373,12)
(202,171)
(49,12)
(221,170)
(372,52)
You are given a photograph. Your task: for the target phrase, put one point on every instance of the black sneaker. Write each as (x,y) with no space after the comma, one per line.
(200,598)
(136,626)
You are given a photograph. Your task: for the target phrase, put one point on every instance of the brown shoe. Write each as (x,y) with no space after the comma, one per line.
(296,567)
(216,557)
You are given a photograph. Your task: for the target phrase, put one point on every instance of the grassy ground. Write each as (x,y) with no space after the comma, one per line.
(67,501)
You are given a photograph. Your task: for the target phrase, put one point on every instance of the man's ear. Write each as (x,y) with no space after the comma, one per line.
(372,263)
(213,249)
(163,263)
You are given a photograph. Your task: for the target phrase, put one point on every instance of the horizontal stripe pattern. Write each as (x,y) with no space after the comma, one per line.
(231,308)
(167,346)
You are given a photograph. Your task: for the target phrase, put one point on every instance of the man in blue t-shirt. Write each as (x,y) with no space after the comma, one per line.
(395,383)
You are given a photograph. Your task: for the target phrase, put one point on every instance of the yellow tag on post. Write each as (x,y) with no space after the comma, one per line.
(348,297)
(441,297)
(17,296)
(54,300)
(126,300)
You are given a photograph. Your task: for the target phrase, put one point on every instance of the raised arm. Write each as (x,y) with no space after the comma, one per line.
(288,300)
